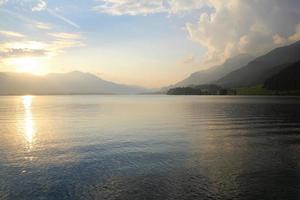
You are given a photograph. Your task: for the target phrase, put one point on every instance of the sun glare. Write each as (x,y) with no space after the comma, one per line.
(27,65)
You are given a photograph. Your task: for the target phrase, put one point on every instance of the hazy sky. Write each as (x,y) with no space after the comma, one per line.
(150,43)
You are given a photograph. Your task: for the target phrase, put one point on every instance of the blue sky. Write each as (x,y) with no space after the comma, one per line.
(139,42)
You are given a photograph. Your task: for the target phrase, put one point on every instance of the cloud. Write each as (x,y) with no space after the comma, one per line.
(16,45)
(146,7)
(63,40)
(64,35)
(21,49)
(190,59)
(3,2)
(24,19)
(48,48)
(64,19)
(41,25)
(11,34)
(296,36)
(38,6)
(277,39)
(41,5)
(239,26)
(228,27)
(12,53)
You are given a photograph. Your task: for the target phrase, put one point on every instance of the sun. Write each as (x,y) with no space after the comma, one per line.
(27,65)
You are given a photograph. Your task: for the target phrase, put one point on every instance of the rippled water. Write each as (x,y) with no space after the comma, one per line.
(149,147)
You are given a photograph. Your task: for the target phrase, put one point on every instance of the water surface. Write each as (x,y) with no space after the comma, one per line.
(149,147)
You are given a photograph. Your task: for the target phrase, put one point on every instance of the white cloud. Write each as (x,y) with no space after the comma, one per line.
(11,34)
(43,26)
(146,7)
(31,48)
(64,35)
(64,19)
(22,49)
(24,19)
(230,27)
(234,26)
(37,6)
(240,26)
(41,5)
(12,53)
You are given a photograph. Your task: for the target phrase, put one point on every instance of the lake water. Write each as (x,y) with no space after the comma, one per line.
(149,147)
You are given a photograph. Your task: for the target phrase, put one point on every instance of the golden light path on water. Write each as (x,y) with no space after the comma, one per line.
(29,126)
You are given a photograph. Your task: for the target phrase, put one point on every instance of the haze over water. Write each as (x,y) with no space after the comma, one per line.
(149,147)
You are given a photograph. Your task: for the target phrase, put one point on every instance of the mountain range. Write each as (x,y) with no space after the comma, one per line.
(243,71)
(66,83)
(215,73)
(260,69)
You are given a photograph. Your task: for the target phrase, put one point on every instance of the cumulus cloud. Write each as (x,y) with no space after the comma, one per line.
(239,26)
(229,27)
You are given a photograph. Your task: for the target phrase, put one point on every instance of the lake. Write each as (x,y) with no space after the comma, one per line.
(149,147)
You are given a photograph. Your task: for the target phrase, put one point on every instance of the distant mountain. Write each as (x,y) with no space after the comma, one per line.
(260,69)
(287,79)
(69,83)
(210,75)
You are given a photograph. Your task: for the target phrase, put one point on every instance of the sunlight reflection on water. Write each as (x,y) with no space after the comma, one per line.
(149,147)
(29,126)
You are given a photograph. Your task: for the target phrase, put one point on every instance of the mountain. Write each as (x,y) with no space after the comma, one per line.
(287,79)
(69,83)
(260,69)
(210,75)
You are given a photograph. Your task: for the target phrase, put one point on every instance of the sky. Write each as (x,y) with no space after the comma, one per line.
(140,42)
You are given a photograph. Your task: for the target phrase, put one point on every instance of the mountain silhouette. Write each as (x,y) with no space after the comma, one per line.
(65,83)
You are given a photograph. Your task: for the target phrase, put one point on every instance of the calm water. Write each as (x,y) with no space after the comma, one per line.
(149,147)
